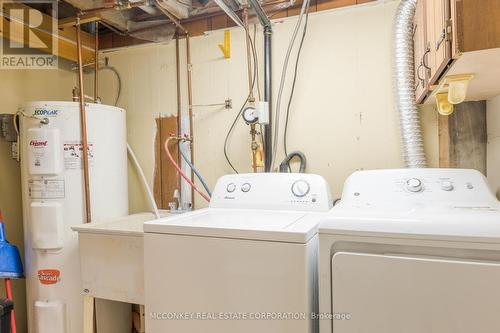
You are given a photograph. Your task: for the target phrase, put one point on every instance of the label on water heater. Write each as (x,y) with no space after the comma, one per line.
(73,153)
(49,276)
(44,151)
(46,188)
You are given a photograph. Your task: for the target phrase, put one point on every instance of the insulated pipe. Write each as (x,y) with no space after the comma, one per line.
(268,97)
(190,104)
(404,74)
(83,126)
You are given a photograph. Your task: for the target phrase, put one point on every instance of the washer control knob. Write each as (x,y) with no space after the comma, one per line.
(246,187)
(231,187)
(300,188)
(414,185)
(447,186)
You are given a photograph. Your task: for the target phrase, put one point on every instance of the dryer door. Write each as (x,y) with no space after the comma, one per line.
(394,294)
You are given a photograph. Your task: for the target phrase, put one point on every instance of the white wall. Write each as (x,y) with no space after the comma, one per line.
(342,117)
(16,87)
(493,152)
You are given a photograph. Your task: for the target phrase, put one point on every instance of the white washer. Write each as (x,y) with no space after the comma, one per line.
(414,250)
(246,264)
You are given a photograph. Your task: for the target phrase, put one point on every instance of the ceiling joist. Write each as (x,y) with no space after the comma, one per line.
(13,29)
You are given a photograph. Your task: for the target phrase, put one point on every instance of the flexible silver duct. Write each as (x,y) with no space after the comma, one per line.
(404,86)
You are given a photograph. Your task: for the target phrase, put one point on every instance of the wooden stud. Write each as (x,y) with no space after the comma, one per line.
(165,182)
(88,314)
(65,37)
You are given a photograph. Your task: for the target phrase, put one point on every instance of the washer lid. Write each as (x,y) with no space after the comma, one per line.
(270,225)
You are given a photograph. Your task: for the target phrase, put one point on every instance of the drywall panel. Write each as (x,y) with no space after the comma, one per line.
(493,149)
(342,115)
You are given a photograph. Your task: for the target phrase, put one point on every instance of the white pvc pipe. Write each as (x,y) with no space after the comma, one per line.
(144,181)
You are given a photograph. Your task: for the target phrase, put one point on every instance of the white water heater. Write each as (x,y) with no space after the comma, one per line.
(53,201)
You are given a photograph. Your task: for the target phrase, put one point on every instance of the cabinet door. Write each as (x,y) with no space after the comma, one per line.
(421,53)
(438,18)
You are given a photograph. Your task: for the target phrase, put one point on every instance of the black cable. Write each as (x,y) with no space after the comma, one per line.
(304,32)
(243,106)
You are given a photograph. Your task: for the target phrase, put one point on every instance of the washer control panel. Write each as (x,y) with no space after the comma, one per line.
(287,191)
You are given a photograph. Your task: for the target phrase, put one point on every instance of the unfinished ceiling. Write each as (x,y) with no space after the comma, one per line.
(138,21)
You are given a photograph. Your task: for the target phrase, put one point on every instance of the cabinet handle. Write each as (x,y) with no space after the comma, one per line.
(424,58)
(420,79)
(441,40)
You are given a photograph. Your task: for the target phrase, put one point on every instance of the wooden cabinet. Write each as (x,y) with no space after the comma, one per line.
(438,36)
(432,43)
(454,37)
(421,53)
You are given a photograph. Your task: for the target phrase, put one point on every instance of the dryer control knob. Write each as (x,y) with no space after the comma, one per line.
(447,186)
(300,188)
(414,185)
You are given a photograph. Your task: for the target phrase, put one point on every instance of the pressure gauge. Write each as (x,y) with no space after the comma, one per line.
(250,115)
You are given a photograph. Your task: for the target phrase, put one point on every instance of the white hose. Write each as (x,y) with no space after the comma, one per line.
(144,181)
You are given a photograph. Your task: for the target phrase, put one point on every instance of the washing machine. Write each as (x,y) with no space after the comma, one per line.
(413,250)
(246,264)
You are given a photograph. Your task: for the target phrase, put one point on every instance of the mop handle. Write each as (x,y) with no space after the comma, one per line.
(9,297)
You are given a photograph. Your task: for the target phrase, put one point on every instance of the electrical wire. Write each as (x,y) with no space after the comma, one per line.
(119,79)
(231,129)
(256,62)
(202,181)
(176,166)
(283,79)
(304,32)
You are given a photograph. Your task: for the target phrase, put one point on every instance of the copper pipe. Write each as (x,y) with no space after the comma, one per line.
(190,103)
(96,63)
(83,125)
(254,147)
(179,107)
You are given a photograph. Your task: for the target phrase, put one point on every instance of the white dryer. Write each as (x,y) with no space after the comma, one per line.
(413,251)
(246,264)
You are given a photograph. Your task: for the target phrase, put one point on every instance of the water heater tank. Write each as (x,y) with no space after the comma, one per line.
(53,201)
